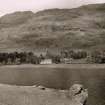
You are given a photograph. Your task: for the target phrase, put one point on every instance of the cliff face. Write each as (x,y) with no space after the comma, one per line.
(82,27)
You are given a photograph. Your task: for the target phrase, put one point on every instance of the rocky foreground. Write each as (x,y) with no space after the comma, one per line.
(39,95)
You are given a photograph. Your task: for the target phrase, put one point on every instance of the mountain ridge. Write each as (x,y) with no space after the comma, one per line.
(80,28)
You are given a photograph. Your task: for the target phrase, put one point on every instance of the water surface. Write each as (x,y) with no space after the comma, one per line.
(60,77)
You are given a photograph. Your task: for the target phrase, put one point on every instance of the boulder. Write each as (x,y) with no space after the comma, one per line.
(78,94)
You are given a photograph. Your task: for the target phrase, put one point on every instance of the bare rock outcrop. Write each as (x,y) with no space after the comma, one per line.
(78,94)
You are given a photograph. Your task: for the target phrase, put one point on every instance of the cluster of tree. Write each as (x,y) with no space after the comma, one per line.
(26,58)
(18,58)
(97,57)
(94,56)
(30,57)
(75,54)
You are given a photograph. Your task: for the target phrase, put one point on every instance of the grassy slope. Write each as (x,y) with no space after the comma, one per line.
(83,27)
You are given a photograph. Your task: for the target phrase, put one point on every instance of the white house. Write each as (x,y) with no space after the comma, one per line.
(66,60)
(46,61)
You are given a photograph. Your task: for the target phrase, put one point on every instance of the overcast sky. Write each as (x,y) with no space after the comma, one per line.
(8,6)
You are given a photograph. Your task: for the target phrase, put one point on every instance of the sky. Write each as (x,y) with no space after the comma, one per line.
(9,6)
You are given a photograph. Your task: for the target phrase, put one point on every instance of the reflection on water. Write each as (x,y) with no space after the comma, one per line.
(93,79)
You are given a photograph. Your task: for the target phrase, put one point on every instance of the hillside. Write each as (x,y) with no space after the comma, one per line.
(82,27)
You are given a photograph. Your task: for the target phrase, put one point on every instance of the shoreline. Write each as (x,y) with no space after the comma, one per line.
(72,66)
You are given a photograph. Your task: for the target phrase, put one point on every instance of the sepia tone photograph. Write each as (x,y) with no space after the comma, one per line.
(52,52)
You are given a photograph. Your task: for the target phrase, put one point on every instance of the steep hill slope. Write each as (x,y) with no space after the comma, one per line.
(82,27)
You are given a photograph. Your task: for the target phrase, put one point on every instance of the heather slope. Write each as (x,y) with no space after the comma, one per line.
(82,27)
